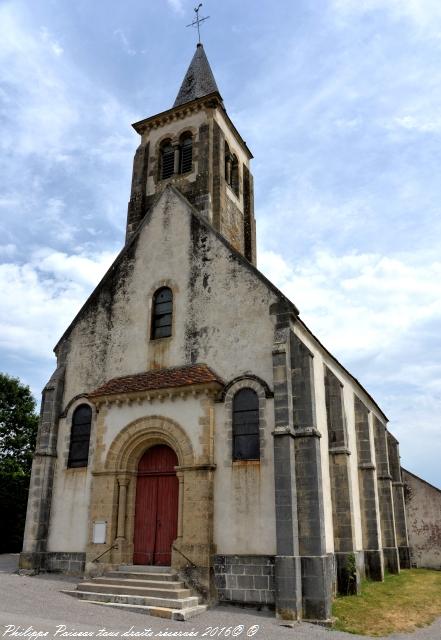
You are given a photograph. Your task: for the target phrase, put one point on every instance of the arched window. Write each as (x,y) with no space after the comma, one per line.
(186,152)
(80,436)
(162,313)
(235,175)
(167,160)
(246,444)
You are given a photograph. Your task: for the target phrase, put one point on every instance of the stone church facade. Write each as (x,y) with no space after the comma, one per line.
(193,420)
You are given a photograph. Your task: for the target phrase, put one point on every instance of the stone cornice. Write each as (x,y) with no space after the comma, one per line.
(209,389)
(211,101)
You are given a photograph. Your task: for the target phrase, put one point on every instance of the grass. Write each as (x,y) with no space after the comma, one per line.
(402,602)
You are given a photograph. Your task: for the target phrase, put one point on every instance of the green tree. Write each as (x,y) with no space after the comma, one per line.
(18,432)
(18,426)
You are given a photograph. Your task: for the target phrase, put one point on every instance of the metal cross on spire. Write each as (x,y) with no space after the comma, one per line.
(197,22)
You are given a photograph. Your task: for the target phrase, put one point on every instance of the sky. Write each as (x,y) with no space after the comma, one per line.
(340,103)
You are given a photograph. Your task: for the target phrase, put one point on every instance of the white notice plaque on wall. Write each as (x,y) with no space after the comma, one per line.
(99,532)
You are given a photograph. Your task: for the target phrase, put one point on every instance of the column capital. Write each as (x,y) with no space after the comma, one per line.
(306,432)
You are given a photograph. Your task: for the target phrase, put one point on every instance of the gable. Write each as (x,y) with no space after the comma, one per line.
(221,305)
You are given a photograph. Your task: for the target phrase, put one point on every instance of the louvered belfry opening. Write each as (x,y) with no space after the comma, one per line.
(167,160)
(186,148)
(246,443)
(162,313)
(80,436)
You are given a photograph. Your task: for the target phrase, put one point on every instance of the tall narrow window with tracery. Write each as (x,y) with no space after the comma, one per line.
(186,152)
(167,160)
(162,313)
(246,441)
(80,436)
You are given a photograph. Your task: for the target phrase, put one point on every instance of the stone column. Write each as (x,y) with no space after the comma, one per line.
(123,483)
(177,158)
(398,502)
(36,532)
(287,568)
(180,477)
(384,483)
(342,514)
(373,558)
(228,168)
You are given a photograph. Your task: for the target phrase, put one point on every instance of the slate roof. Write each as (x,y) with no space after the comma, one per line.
(158,379)
(199,80)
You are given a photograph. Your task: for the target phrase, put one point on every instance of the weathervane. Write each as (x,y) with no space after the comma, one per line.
(197,22)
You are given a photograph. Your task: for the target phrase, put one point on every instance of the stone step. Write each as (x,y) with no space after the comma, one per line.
(144,568)
(133,599)
(159,612)
(136,575)
(135,582)
(98,587)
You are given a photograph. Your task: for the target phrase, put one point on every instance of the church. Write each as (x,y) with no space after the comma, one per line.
(197,443)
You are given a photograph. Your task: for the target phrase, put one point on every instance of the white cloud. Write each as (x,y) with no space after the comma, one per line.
(359,304)
(419,124)
(40,298)
(127,48)
(423,13)
(64,137)
(380,317)
(52,98)
(54,45)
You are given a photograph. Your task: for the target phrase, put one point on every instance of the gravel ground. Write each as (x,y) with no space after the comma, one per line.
(36,602)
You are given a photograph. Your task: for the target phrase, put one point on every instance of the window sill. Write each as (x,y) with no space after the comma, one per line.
(176,177)
(165,339)
(245,463)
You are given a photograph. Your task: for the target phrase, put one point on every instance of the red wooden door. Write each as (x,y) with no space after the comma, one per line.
(156,510)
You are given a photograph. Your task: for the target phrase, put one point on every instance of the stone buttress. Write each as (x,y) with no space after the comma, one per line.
(304,572)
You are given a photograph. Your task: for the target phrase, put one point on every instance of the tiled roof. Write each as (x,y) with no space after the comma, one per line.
(199,80)
(158,379)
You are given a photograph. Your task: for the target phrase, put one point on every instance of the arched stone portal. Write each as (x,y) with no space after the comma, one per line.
(113,497)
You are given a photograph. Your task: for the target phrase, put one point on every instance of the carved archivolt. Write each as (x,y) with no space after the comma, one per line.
(130,444)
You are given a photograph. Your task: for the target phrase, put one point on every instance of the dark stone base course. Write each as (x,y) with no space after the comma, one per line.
(245,580)
(391,559)
(374,564)
(288,587)
(317,586)
(404,556)
(71,563)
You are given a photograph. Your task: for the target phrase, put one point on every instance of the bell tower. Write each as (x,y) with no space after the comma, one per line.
(196,147)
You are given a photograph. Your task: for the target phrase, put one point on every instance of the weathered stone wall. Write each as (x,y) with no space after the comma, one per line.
(66,562)
(111,337)
(423,510)
(245,579)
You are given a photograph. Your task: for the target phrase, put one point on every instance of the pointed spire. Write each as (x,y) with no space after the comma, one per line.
(199,80)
